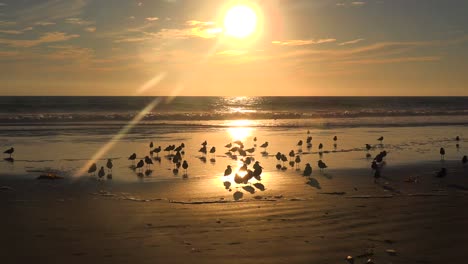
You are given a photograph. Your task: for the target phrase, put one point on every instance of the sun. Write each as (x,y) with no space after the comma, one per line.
(240,21)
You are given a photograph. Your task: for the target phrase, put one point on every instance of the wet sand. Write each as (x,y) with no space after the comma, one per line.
(89,221)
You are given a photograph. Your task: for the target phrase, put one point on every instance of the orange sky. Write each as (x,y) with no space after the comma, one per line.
(180,47)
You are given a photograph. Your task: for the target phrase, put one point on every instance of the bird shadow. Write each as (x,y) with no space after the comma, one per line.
(238,195)
(213,160)
(140,175)
(11,160)
(249,189)
(259,186)
(314,183)
(158,159)
(326,175)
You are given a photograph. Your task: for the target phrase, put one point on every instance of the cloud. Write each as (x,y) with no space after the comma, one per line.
(392,60)
(49,37)
(152,18)
(299,42)
(78,21)
(7,23)
(358,3)
(16,32)
(90,29)
(351,42)
(132,40)
(50,10)
(44,23)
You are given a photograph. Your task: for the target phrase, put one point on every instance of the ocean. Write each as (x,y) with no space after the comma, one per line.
(65,134)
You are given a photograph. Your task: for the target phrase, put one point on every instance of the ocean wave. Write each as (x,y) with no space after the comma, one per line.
(206,116)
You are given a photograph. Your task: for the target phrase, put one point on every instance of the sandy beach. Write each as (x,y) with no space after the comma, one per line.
(408,216)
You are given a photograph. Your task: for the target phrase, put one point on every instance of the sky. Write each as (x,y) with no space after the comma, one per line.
(180,47)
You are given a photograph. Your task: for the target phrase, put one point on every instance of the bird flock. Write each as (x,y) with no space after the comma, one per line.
(244,177)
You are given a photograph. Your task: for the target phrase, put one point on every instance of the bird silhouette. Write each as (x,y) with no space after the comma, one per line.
(320,147)
(157,150)
(264,146)
(132,158)
(250,150)
(457,138)
(140,165)
(109,165)
(297,161)
(228,170)
(9,151)
(185,166)
(204,143)
(335,138)
(442,153)
(380,139)
(307,170)
(92,169)
(322,165)
(291,154)
(299,143)
(368,147)
(228,145)
(213,151)
(203,150)
(101,172)
(148,162)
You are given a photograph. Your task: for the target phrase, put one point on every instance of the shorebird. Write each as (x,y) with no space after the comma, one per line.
(203,150)
(320,147)
(442,173)
(322,165)
(368,147)
(140,165)
(335,138)
(291,154)
(299,143)
(255,139)
(250,150)
(228,145)
(151,147)
(278,160)
(284,159)
(457,138)
(157,150)
(204,143)
(185,166)
(101,172)
(9,151)
(307,170)
(308,132)
(132,158)
(109,165)
(264,146)
(148,162)
(228,170)
(442,153)
(297,161)
(380,139)
(92,169)
(213,151)
(457,146)
(464,160)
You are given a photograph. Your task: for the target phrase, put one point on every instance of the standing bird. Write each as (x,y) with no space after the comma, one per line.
(92,169)
(380,139)
(9,151)
(109,165)
(185,166)
(203,150)
(151,147)
(228,170)
(297,161)
(335,138)
(299,144)
(140,165)
(157,150)
(464,160)
(320,147)
(322,165)
(101,172)
(442,153)
(291,155)
(132,158)
(264,146)
(204,143)
(457,138)
(368,147)
(148,162)
(228,145)
(213,150)
(307,170)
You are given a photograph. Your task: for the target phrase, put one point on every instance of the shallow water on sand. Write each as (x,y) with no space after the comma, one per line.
(66,153)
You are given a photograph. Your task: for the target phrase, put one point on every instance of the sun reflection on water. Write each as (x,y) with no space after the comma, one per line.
(240,129)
